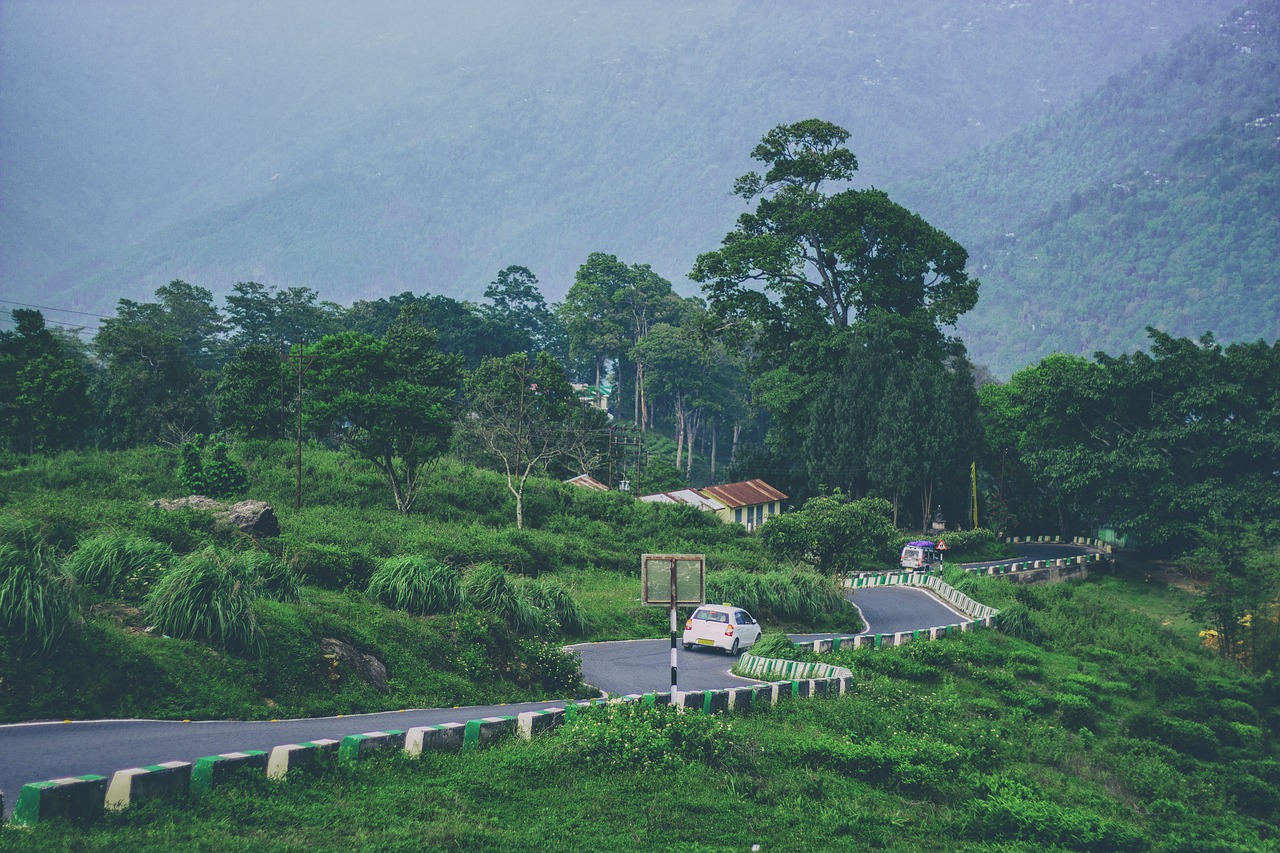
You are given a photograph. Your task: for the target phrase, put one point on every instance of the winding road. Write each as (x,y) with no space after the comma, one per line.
(31,752)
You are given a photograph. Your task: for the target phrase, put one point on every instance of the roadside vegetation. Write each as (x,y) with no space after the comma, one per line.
(110,603)
(1112,730)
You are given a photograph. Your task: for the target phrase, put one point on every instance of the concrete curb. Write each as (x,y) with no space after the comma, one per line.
(309,755)
(74,798)
(155,781)
(213,770)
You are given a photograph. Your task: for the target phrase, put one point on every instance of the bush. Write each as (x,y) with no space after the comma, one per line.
(559,604)
(631,736)
(119,563)
(37,598)
(418,585)
(270,576)
(1017,621)
(207,597)
(777,645)
(488,587)
(778,596)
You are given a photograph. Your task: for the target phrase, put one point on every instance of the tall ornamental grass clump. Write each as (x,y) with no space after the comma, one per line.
(37,598)
(782,596)
(560,609)
(207,596)
(488,587)
(270,576)
(119,563)
(419,585)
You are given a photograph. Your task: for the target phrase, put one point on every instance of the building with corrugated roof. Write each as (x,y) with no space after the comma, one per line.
(749,503)
(586,481)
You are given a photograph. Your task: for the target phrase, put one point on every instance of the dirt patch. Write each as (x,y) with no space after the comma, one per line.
(1156,570)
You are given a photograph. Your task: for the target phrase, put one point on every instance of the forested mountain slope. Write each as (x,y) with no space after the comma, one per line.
(424,146)
(1154,202)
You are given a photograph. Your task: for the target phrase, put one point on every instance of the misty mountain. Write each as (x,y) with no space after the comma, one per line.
(1155,201)
(364,151)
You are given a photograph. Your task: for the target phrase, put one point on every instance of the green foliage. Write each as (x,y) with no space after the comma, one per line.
(1014,810)
(416,584)
(632,736)
(207,596)
(777,645)
(489,588)
(796,597)
(37,597)
(558,603)
(221,477)
(388,399)
(44,388)
(119,563)
(269,576)
(836,535)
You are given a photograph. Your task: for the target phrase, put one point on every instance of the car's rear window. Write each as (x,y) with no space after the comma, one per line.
(711,616)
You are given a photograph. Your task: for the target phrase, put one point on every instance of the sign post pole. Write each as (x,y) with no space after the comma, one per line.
(674,681)
(670,580)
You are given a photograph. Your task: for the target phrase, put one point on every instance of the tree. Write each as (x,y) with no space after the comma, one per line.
(184,311)
(676,368)
(521,414)
(255,397)
(823,261)
(461,327)
(151,390)
(44,399)
(271,317)
(389,401)
(827,290)
(589,313)
(516,303)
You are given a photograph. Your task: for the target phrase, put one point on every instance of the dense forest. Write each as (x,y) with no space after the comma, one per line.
(1154,201)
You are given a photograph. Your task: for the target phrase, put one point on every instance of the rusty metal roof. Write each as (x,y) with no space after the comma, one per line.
(747,493)
(588,482)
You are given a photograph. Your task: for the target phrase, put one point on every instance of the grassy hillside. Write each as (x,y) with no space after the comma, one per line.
(1096,722)
(576,564)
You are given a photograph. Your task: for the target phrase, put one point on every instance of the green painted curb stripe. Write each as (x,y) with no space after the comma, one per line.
(471,735)
(706,702)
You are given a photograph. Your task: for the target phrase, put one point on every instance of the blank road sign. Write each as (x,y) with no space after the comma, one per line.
(690,578)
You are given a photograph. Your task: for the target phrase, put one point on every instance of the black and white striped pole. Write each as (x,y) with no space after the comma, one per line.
(674,680)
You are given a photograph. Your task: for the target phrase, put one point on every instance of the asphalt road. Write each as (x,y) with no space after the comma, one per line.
(31,752)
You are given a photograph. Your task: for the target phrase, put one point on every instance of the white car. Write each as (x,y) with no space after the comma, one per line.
(723,627)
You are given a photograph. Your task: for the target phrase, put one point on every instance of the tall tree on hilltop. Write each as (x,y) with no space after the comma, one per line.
(828,287)
(805,259)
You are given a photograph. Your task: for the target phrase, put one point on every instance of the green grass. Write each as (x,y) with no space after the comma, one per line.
(977,742)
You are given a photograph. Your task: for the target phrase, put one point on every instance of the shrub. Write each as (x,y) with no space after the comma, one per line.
(777,645)
(416,584)
(223,476)
(632,736)
(206,597)
(559,604)
(488,587)
(37,598)
(270,576)
(1017,621)
(123,563)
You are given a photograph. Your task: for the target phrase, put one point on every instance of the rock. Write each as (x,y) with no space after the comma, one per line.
(257,518)
(342,656)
